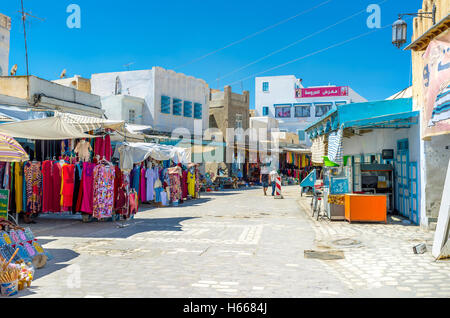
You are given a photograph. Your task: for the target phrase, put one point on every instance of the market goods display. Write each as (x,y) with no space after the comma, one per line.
(336,199)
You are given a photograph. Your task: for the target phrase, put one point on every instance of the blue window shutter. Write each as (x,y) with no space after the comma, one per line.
(198,111)
(187,109)
(265,111)
(177,107)
(265,86)
(301,135)
(165,104)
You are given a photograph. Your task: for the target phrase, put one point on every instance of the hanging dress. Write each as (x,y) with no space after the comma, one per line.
(88,184)
(18,180)
(68,186)
(33,177)
(47,184)
(191,183)
(103,193)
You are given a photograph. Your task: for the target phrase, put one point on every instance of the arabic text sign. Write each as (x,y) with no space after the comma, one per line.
(324,91)
(4,202)
(436,89)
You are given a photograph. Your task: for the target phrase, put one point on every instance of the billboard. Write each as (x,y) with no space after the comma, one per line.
(436,87)
(327,91)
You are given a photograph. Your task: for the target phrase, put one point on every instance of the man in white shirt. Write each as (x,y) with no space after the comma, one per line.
(273,180)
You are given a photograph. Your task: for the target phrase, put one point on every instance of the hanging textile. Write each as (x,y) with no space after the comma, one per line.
(175,183)
(88,182)
(150,175)
(77,186)
(335,147)
(33,177)
(68,186)
(83,150)
(103,193)
(318,149)
(18,181)
(191,183)
(142,185)
(184,184)
(47,185)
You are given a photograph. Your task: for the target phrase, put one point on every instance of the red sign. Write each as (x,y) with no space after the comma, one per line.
(322,92)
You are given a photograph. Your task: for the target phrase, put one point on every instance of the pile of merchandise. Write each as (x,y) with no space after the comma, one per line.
(337,199)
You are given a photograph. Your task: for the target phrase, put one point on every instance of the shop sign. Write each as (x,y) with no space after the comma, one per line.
(4,204)
(321,92)
(339,186)
(436,87)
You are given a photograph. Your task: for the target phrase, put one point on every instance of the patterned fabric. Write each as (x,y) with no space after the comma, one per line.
(103,191)
(33,179)
(335,147)
(175,184)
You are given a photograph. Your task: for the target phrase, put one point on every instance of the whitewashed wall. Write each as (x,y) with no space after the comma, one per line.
(4,46)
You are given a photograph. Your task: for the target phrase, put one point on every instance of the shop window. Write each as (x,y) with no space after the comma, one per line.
(198,111)
(187,109)
(322,109)
(302,110)
(165,105)
(177,107)
(283,111)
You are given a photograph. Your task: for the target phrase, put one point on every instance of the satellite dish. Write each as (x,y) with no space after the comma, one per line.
(14,70)
(63,74)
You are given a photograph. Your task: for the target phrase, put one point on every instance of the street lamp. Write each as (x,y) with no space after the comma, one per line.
(399,32)
(399,27)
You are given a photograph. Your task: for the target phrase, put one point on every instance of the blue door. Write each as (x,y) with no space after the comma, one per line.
(414,190)
(402,179)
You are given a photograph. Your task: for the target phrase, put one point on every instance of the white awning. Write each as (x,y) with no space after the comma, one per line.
(51,128)
(87,123)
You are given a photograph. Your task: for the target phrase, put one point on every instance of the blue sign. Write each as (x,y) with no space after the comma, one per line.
(339,186)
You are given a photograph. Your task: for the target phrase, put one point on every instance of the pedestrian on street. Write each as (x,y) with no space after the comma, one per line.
(264,179)
(273,180)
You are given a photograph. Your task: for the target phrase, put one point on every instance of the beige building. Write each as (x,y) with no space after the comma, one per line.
(434,149)
(45,95)
(77,82)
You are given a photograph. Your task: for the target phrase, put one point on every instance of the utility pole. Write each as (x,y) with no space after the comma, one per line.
(24,17)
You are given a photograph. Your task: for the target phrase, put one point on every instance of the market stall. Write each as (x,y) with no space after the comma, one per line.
(159,174)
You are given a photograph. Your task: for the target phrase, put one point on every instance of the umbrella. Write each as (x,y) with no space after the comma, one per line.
(11,150)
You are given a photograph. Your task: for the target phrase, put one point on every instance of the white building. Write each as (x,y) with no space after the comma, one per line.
(124,107)
(296,107)
(5,27)
(172,100)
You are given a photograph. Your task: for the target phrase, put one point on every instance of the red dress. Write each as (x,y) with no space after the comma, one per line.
(68,186)
(56,196)
(47,185)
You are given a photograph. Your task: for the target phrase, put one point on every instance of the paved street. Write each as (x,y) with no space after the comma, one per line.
(234,244)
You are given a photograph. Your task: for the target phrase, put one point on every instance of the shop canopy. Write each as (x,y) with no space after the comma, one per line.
(139,152)
(87,123)
(50,128)
(11,150)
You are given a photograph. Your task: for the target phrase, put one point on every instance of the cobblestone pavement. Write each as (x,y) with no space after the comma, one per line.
(231,244)
(378,255)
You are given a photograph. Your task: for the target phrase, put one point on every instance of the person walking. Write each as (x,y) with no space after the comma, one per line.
(273,180)
(264,179)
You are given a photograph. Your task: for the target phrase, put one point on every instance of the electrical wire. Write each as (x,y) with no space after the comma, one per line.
(310,54)
(296,42)
(253,35)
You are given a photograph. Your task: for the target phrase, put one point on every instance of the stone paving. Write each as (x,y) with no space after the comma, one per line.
(378,255)
(231,244)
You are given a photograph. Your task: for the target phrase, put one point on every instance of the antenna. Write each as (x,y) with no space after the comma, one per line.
(127,66)
(24,18)
(14,70)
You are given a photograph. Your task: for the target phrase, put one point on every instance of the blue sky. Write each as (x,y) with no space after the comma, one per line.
(172,33)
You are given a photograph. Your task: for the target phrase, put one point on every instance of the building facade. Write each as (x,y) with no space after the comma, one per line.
(77,82)
(434,143)
(124,107)
(47,95)
(5,27)
(294,106)
(172,100)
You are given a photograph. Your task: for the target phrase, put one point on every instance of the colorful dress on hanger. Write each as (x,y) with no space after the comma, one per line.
(184,184)
(68,186)
(191,183)
(142,186)
(150,182)
(103,191)
(33,177)
(175,184)
(88,184)
(47,184)
(18,172)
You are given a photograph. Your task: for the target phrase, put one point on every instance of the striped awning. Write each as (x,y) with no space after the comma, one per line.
(86,123)
(11,150)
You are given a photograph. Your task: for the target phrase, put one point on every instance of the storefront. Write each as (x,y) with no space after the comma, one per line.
(372,150)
